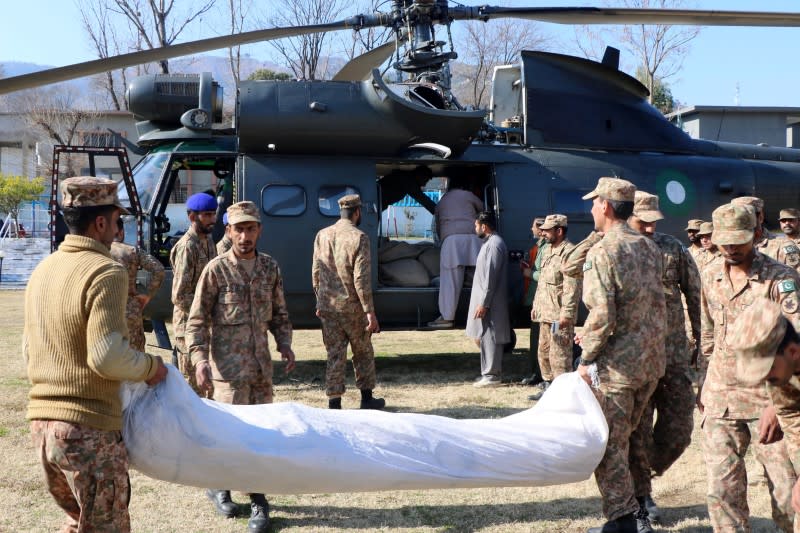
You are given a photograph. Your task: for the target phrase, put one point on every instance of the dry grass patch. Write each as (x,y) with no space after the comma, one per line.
(423,372)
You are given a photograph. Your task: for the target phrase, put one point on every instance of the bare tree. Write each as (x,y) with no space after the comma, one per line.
(486,46)
(355,43)
(238,14)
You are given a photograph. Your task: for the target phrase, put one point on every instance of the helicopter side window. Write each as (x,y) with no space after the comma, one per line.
(571,203)
(146,175)
(283,200)
(329,198)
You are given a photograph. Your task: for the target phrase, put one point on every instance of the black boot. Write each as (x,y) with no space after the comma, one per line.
(538,394)
(623,524)
(259,514)
(335,403)
(222,502)
(368,402)
(652,509)
(643,520)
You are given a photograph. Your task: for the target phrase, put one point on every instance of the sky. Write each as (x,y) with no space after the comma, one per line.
(761,62)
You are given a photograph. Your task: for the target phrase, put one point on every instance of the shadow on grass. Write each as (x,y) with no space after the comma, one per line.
(674,515)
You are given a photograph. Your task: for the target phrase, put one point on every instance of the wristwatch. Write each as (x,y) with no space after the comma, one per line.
(584,362)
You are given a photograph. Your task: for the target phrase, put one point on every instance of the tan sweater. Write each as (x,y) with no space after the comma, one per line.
(75,338)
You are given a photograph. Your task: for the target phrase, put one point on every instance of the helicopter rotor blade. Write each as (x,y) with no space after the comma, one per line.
(595,15)
(360,67)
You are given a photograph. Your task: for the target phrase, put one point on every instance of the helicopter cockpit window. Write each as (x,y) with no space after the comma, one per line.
(329,198)
(571,203)
(283,200)
(145,175)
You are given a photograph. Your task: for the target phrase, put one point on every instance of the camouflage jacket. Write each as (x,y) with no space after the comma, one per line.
(624,332)
(340,271)
(721,304)
(680,276)
(224,245)
(706,257)
(188,257)
(572,269)
(232,314)
(779,248)
(695,251)
(547,301)
(786,400)
(134,259)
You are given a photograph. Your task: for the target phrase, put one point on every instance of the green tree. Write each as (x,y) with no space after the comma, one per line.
(661,95)
(267,74)
(17,189)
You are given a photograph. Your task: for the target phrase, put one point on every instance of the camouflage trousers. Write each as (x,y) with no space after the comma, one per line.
(133,314)
(659,446)
(555,350)
(622,406)
(339,330)
(724,447)
(185,365)
(254,392)
(86,471)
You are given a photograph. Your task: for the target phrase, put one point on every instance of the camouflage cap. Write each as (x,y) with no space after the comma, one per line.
(349,201)
(757,333)
(694,224)
(243,212)
(753,201)
(733,224)
(789,213)
(645,207)
(88,191)
(706,228)
(613,189)
(554,221)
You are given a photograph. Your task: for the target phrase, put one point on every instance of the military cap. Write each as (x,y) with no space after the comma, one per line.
(554,221)
(755,202)
(645,207)
(757,333)
(706,228)
(788,213)
(243,212)
(349,201)
(613,189)
(89,191)
(733,224)
(694,224)
(201,202)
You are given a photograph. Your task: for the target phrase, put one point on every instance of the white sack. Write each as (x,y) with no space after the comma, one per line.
(289,448)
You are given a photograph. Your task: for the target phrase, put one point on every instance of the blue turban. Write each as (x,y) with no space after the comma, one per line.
(201,202)
(225,218)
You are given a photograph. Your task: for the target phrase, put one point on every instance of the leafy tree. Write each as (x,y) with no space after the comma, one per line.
(17,189)
(661,96)
(268,74)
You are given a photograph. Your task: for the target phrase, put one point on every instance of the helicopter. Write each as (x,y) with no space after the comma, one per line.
(555,124)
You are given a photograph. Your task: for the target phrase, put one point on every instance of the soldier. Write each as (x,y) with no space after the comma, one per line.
(134,259)
(556,331)
(75,343)
(188,257)
(674,396)
(622,341)
(736,415)
(692,227)
(487,319)
(790,224)
(710,251)
(777,247)
(238,301)
(530,276)
(340,274)
(225,243)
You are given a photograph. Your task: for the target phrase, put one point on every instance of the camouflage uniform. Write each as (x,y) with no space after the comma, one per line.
(779,248)
(188,257)
(572,270)
(341,278)
(732,409)
(68,451)
(695,249)
(555,347)
(706,257)
(622,277)
(224,245)
(133,259)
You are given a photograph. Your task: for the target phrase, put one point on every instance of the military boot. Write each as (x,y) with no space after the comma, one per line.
(623,524)
(652,509)
(259,514)
(335,403)
(368,402)
(536,396)
(222,502)
(643,521)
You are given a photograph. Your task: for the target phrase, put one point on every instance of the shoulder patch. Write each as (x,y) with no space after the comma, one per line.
(789,304)
(786,285)
(791,249)
(587,266)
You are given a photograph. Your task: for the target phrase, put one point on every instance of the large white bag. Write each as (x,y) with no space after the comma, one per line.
(288,448)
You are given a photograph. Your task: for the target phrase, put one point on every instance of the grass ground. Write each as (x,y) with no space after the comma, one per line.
(424,372)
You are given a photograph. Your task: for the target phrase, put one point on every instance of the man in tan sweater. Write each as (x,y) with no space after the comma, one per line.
(75,342)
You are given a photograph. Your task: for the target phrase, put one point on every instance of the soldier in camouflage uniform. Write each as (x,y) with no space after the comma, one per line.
(778,247)
(674,397)
(341,277)
(790,224)
(710,251)
(188,257)
(239,300)
(556,331)
(225,243)
(622,341)
(134,259)
(736,415)
(692,228)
